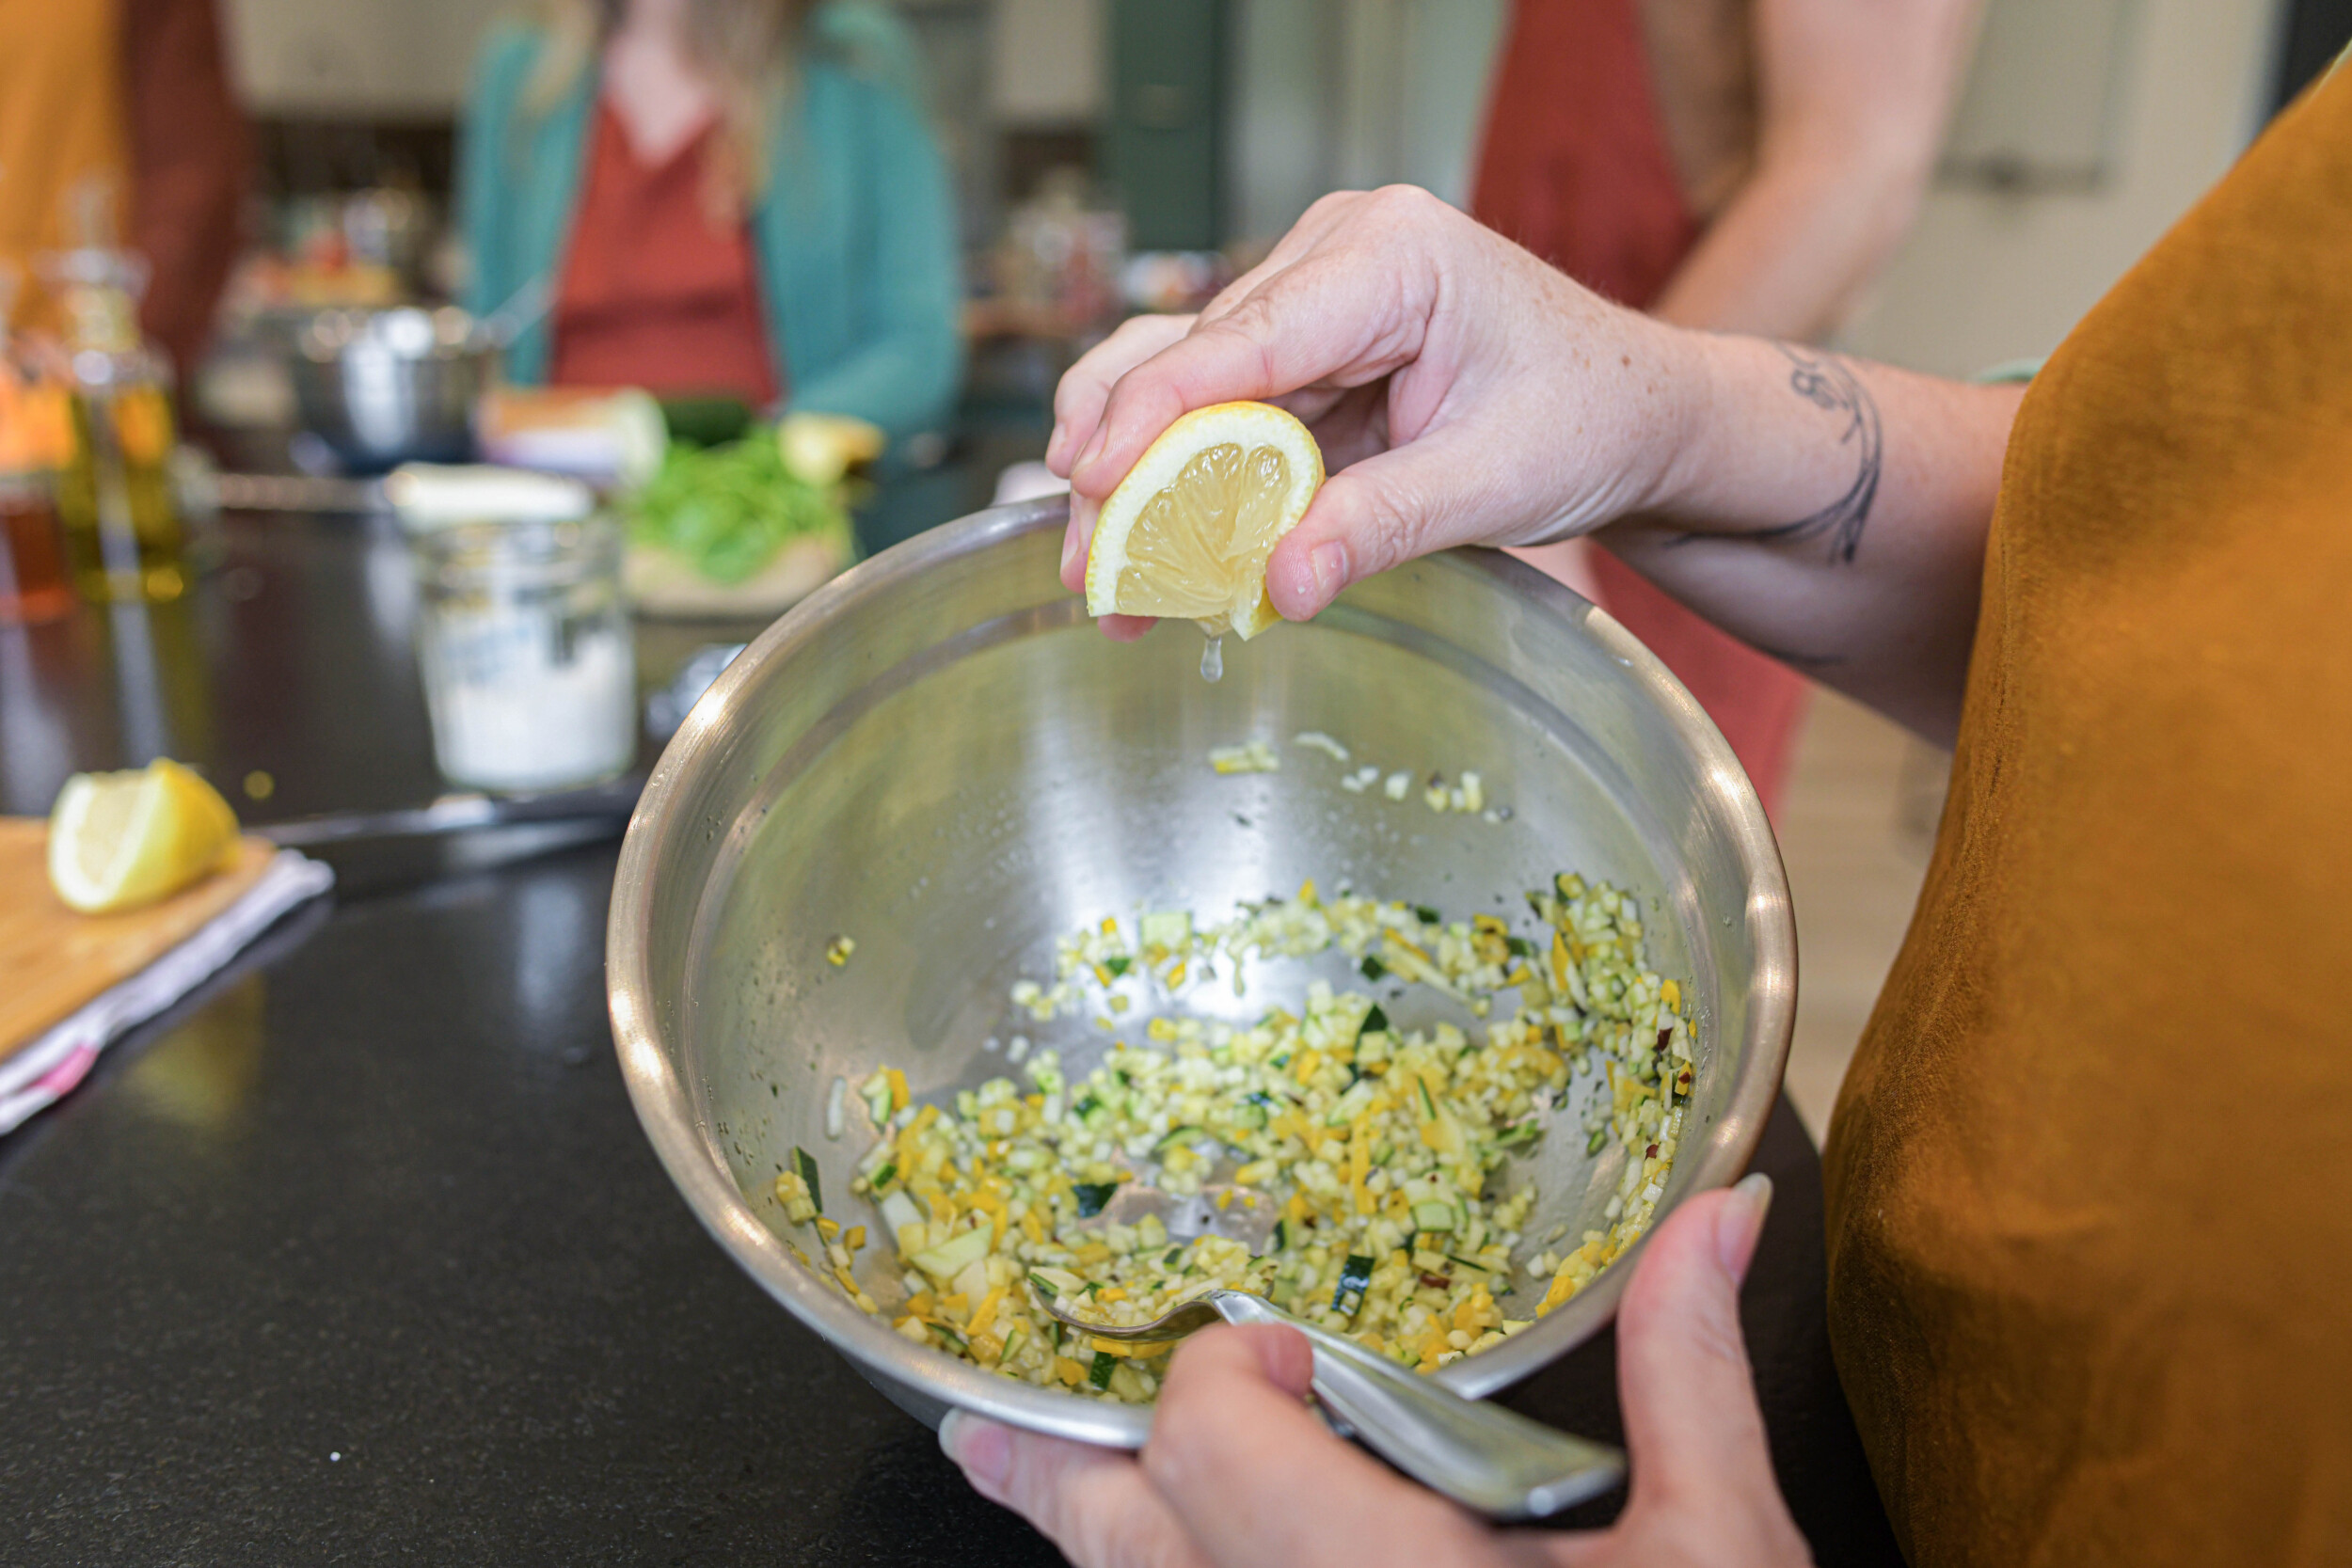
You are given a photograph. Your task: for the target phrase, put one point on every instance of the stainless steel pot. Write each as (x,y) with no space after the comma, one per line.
(390,386)
(937,755)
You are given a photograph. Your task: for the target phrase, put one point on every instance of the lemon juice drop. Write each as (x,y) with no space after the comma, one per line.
(1212,660)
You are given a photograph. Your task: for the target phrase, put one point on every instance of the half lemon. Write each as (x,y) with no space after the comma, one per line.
(1186,534)
(119,839)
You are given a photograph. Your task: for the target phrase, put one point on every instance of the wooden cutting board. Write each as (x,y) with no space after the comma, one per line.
(53,960)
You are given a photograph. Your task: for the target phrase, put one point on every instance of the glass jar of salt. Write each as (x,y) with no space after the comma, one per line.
(523,637)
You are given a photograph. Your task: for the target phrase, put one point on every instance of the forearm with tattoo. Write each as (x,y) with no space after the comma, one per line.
(1828,384)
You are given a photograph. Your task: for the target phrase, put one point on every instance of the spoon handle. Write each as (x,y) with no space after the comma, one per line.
(1482,1456)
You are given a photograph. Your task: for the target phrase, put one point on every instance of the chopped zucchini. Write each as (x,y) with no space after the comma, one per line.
(1433,1217)
(1099,1373)
(956,1254)
(1171,930)
(875,1091)
(1175,1137)
(1091,1196)
(1052,1284)
(898,1211)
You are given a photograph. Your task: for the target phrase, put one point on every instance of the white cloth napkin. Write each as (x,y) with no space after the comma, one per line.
(44,1072)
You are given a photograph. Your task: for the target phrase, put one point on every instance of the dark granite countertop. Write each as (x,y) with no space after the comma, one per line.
(358,1255)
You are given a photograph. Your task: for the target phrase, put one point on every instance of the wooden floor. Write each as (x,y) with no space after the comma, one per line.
(1855,830)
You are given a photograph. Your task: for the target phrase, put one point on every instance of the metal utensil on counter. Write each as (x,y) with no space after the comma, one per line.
(608,803)
(1482,1456)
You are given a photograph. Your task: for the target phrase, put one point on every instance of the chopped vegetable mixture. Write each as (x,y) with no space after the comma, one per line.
(1364,1161)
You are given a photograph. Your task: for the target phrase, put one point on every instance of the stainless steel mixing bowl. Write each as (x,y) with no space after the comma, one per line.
(937,755)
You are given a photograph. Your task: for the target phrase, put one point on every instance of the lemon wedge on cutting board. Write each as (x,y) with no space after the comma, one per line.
(1187,533)
(119,839)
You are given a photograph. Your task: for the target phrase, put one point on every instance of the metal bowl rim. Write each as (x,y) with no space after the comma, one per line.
(666,1108)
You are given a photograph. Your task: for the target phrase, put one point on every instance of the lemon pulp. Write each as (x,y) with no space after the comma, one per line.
(1205,537)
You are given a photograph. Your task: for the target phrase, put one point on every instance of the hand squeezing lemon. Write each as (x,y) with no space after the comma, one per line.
(119,839)
(1187,533)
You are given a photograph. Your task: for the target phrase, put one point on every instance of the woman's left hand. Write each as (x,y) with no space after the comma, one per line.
(1238,1472)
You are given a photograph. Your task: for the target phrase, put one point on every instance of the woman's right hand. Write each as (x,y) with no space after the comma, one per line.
(1240,1473)
(1463,392)
(1830,512)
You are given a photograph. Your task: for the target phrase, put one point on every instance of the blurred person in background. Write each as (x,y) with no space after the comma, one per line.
(127,99)
(734,197)
(1740,165)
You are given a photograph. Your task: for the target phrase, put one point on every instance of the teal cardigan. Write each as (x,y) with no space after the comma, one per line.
(854,234)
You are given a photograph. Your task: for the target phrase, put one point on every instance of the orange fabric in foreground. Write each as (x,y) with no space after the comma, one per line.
(654,293)
(1576,167)
(2091,1176)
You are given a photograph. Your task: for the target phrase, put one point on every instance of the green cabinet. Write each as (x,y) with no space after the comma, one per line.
(1166,120)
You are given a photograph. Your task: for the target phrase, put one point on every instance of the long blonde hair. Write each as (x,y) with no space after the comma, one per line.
(743,47)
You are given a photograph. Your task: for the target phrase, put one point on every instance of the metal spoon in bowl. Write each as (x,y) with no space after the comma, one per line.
(1482,1456)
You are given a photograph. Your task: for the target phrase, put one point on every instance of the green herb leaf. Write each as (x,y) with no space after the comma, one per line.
(1356,1274)
(728,509)
(1117,964)
(1371,966)
(1428,915)
(807,1167)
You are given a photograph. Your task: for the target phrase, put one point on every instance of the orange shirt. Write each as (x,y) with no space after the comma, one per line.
(654,294)
(2090,1179)
(132,92)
